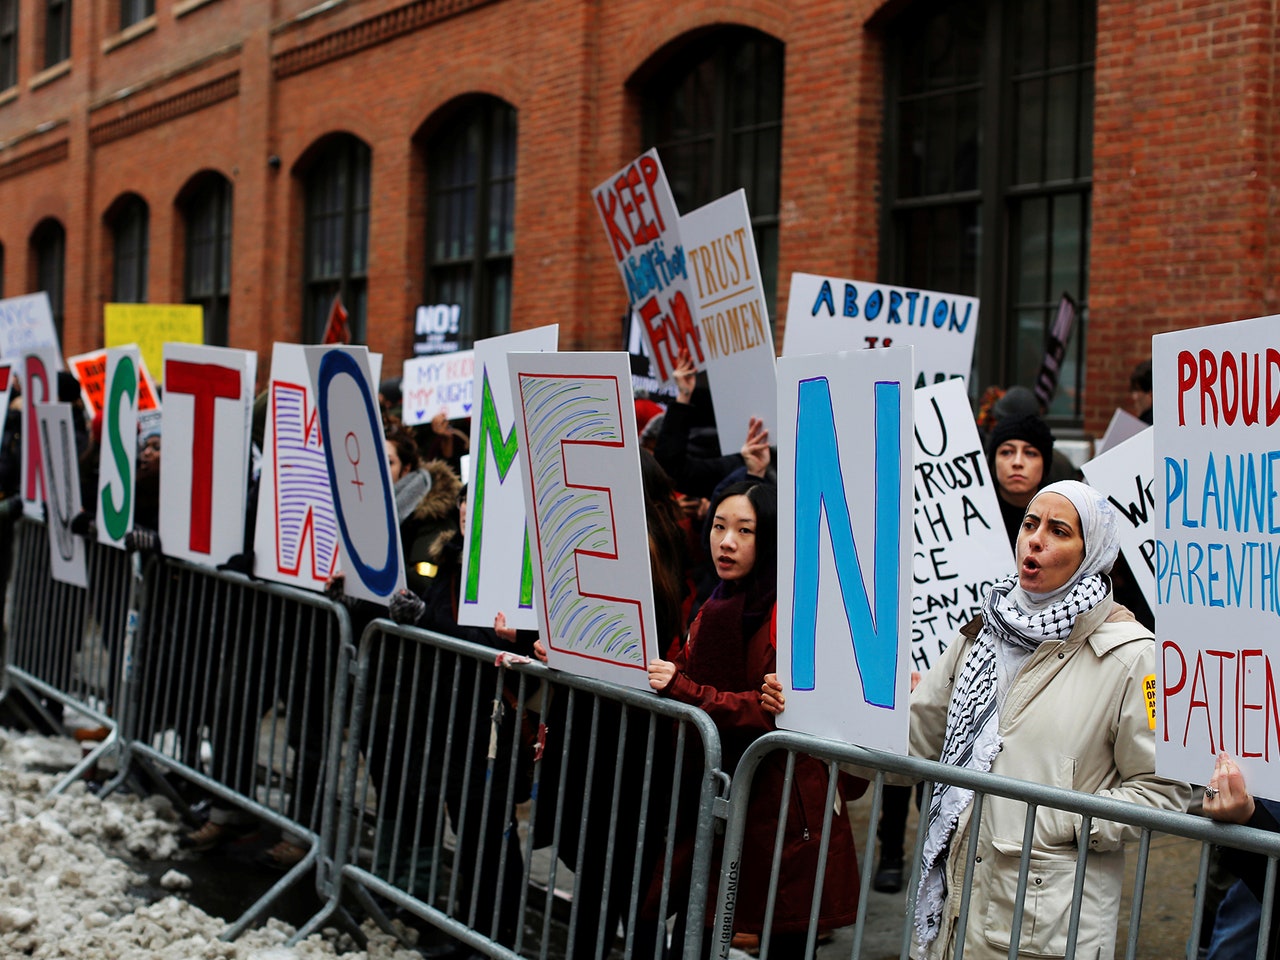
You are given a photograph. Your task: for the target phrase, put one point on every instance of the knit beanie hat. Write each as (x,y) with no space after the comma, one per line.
(1030,430)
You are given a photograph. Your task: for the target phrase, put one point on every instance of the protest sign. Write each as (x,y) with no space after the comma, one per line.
(435,329)
(90,369)
(40,366)
(640,217)
(961,547)
(62,485)
(432,384)
(497,559)
(1125,476)
(359,479)
(151,326)
(1123,425)
(844,545)
(117,455)
(826,314)
(296,537)
(732,315)
(8,374)
(1216,393)
(26,323)
(583,493)
(204,451)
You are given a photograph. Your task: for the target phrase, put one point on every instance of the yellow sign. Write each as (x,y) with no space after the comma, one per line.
(1149,690)
(151,326)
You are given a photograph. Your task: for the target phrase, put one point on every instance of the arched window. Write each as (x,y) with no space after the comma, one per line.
(48,260)
(336,182)
(206,275)
(57,31)
(129,220)
(988,172)
(715,114)
(471,193)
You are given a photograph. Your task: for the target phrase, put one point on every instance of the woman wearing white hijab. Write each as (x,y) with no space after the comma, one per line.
(1047,684)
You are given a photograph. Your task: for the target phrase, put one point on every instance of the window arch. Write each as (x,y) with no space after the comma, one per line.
(205,205)
(988,172)
(336,186)
(129,220)
(48,263)
(471,191)
(715,114)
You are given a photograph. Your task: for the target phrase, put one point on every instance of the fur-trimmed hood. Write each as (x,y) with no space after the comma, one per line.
(443,495)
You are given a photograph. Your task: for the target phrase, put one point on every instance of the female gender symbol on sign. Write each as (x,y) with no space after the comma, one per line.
(354,460)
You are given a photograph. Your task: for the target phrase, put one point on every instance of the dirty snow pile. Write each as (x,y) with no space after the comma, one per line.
(65,892)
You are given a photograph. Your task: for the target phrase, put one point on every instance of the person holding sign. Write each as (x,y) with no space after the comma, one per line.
(1048,684)
(731,645)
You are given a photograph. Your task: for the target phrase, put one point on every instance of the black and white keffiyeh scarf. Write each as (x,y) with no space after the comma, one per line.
(972,737)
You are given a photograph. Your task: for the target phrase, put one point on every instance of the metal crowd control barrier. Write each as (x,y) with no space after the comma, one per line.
(240,686)
(1090,807)
(67,644)
(443,734)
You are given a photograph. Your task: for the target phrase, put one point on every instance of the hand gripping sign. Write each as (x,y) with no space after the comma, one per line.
(359,480)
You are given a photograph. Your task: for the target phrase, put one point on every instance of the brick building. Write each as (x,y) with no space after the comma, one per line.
(256,156)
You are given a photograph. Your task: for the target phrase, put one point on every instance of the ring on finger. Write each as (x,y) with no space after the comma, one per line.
(1210,792)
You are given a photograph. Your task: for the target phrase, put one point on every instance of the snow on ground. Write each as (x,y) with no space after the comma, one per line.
(65,887)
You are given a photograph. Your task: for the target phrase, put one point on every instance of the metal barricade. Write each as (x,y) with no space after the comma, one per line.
(66,645)
(473,781)
(239,687)
(1146,820)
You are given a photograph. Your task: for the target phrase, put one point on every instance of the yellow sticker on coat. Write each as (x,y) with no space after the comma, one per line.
(1149,691)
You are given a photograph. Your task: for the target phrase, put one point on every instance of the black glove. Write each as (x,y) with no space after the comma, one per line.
(406,607)
(82,525)
(240,563)
(143,540)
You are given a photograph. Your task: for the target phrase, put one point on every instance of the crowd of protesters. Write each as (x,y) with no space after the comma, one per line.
(1066,635)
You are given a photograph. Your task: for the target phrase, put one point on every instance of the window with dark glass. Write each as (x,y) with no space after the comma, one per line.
(471,184)
(337,235)
(206,278)
(129,232)
(48,258)
(57,31)
(132,11)
(989,142)
(715,115)
(8,43)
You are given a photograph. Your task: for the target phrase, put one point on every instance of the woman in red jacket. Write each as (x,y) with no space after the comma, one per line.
(731,646)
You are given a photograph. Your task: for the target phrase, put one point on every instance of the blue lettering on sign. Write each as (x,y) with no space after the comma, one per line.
(820,485)
(381,580)
(824,297)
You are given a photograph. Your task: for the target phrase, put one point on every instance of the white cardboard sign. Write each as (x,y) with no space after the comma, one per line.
(732,315)
(359,479)
(1123,425)
(1125,475)
(8,373)
(118,453)
(40,366)
(204,456)
(497,555)
(434,383)
(296,536)
(1216,393)
(826,314)
(961,547)
(640,218)
(844,545)
(26,323)
(582,487)
(62,484)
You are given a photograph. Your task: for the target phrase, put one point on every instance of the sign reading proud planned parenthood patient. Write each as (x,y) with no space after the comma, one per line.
(732,315)
(961,547)
(825,314)
(581,460)
(1216,393)
(844,545)
(640,217)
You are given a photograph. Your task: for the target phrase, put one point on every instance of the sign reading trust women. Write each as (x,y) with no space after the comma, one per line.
(825,314)
(1216,393)
(581,478)
(845,545)
(640,216)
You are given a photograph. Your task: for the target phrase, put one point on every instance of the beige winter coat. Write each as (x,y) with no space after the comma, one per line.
(1075,716)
